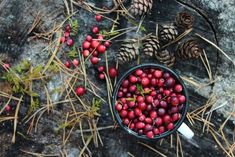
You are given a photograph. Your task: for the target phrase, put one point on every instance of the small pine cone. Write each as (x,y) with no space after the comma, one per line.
(140,7)
(184,20)
(128,51)
(165,57)
(151,46)
(168,33)
(189,49)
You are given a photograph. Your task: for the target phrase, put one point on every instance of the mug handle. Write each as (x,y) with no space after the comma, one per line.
(186,131)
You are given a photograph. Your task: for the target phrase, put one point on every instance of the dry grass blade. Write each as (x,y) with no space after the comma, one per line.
(214,45)
(16,119)
(206,64)
(180,145)
(212,131)
(85,146)
(40,155)
(151,148)
(130,154)
(35,22)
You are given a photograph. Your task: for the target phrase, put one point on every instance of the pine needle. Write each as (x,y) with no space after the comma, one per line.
(151,148)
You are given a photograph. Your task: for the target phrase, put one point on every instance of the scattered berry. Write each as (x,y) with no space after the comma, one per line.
(98,17)
(80,91)
(113,72)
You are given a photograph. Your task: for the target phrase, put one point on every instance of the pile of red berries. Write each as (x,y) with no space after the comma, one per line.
(66,37)
(150,102)
(112,72)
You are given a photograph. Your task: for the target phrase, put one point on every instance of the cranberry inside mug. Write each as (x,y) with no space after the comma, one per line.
(150,101)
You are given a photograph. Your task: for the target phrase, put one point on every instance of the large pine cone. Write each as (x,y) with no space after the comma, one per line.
(165,57)
(168,34)
(128,51)
(184,20)
(140,7)
(189,49)
(151,45)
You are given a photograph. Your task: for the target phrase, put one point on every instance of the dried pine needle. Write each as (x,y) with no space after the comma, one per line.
(151,148)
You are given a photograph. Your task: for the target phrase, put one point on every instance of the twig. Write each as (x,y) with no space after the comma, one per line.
(151,148)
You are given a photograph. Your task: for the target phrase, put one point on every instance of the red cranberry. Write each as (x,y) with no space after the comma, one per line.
(163,104)
(161,90)
(123,113)
(133,79)
(140,99)
(89,38)
(132,126)
(107,43)
(8,108)
(131,104)
(161,112)
(158,73)
(153,114)
(95,53)
(141,132)
(154,82)
(62,39)
(142,118)
(100,37)
(67,28)
(175,117)
(128,95)
(149,108)
(156,103)
(145,81)
(150,76)
(118,107)
(94,60)
(167,92)
(158,121)
(66,34)
(94,44)
(166,75)
(148,120)
(161,82)
(150,134)
(98,17)
(101,76)
(95,30)
(182,99)
(131,115)
(125,83)
(161,129)
(67,64)
(132,88)
(148,127)
(153,93)
(125,107)
(123,100)
(101,49)
(174,109)
(174,101)
(139,72)
(120,94)
(75,62)
(70,42)
(138,112)
(85,53)
(86,45)
(126,121)
(113,72)
(166,119)
(125,90)
(101,69)
(178,88)
(142,106)
(159,96)
(170,126)
(149,99)
(156,131)
(80,91)
(139,125)
(170,82)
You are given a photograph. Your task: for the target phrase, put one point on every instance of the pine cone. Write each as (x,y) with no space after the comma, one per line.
(189,49)
(128,51)
(184,20)
(168,33)
(165,57)
(151,45)
(140,7)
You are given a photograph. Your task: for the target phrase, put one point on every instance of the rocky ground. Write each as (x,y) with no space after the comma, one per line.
(214,20)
